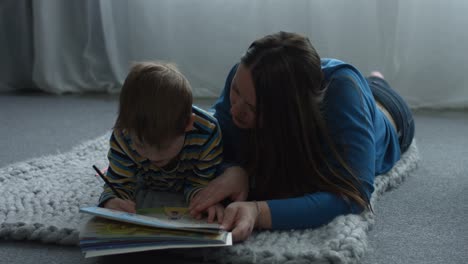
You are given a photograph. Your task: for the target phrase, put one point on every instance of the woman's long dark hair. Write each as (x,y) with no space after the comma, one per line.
(292,146)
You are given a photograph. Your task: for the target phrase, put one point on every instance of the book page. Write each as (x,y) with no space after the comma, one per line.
(105,229)
(162,217)
(96,253)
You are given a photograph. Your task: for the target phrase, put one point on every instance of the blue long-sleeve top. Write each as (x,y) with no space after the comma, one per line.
(354,120)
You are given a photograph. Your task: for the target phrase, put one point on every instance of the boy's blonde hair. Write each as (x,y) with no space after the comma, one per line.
(155,103)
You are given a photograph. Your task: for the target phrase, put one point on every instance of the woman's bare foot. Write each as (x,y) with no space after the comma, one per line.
(377,74)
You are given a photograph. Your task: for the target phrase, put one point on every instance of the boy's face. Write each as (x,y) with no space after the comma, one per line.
(160,156)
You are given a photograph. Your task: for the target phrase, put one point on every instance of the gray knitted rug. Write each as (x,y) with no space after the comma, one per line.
(40,198)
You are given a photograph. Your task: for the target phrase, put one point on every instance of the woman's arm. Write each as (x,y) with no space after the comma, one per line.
(309,211)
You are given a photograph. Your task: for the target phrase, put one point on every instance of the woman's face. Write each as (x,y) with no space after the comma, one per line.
(243,98)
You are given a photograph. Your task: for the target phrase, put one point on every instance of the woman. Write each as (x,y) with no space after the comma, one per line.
(305,134)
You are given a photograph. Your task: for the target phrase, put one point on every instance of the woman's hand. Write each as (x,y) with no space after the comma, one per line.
(233,184)
(121,205)
(240,217)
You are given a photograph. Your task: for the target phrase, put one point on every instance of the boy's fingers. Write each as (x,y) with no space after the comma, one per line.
(211,214)
(207,197)
(198,216)
(200,202)
(202,205)
(119,207)
(198,198)
(127,206)
(130,202)
(219,214)
(195,200)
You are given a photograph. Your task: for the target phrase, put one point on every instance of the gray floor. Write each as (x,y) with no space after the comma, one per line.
(422,221)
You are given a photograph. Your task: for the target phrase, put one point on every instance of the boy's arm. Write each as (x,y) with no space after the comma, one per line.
(121,171)
(206,167)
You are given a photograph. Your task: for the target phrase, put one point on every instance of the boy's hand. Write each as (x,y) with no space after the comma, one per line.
(215,212)
(233,183)
(121,205)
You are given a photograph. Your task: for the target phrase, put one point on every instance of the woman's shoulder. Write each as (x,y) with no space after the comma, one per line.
(337,69)
(347,92)
(343,80)
(204,138)
(204,122)
(206,132)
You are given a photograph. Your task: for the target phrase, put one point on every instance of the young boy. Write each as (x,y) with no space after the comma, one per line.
(160,140)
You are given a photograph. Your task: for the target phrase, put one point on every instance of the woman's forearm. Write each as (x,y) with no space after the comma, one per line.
(264,216)
(309,211)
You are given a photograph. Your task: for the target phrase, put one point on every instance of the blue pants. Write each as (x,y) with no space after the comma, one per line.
(397,108)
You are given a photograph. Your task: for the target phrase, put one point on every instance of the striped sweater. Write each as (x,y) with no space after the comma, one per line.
(196,164)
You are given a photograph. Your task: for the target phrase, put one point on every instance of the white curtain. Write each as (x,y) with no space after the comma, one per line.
(81,46)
